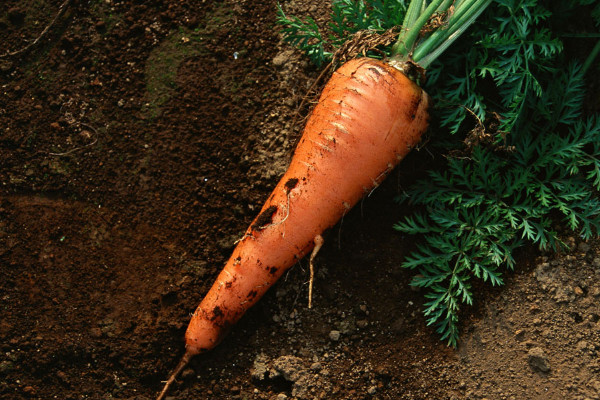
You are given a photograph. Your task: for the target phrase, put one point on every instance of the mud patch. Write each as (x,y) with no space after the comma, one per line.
(290,184)
(265,218)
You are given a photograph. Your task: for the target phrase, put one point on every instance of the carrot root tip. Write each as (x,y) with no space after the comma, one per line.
(187,356)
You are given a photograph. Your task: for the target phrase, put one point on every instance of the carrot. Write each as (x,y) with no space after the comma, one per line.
(369,116)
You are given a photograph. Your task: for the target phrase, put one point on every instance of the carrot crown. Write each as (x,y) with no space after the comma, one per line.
(428,30)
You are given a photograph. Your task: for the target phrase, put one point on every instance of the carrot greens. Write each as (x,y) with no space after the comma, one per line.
(529,161)
(457,20)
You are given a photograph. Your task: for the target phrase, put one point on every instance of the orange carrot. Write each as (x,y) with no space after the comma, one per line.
(369,116)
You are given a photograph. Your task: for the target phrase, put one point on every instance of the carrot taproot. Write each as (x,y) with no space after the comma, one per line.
(369,116)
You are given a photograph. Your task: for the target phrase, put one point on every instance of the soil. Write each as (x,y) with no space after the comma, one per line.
(138,141)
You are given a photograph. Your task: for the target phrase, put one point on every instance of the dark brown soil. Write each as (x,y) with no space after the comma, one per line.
(138,139)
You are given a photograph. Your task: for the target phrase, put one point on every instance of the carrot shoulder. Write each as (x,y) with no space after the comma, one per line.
(369,116)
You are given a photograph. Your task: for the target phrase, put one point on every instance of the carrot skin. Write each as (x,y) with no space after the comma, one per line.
(368,118)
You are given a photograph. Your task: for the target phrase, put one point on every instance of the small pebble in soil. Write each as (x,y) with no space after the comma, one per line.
(63,377)
(260,368)
(5,65)
(584,247)
(6,366)
(398,326)
(582,346)
(362,323)
(282,58)
(538,360)
(290,367)
(187,373)
(96,332)
(316,366)
(30,390)
(334,335)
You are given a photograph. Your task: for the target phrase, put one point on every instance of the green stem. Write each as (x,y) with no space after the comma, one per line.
(441,34)
(415,8)
(444,6)
(590,59)
(405,48)
(410,34)
(441,39)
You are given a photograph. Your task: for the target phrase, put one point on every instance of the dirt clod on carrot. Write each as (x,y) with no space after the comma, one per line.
(264,219)
(291,184)
(217,312)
